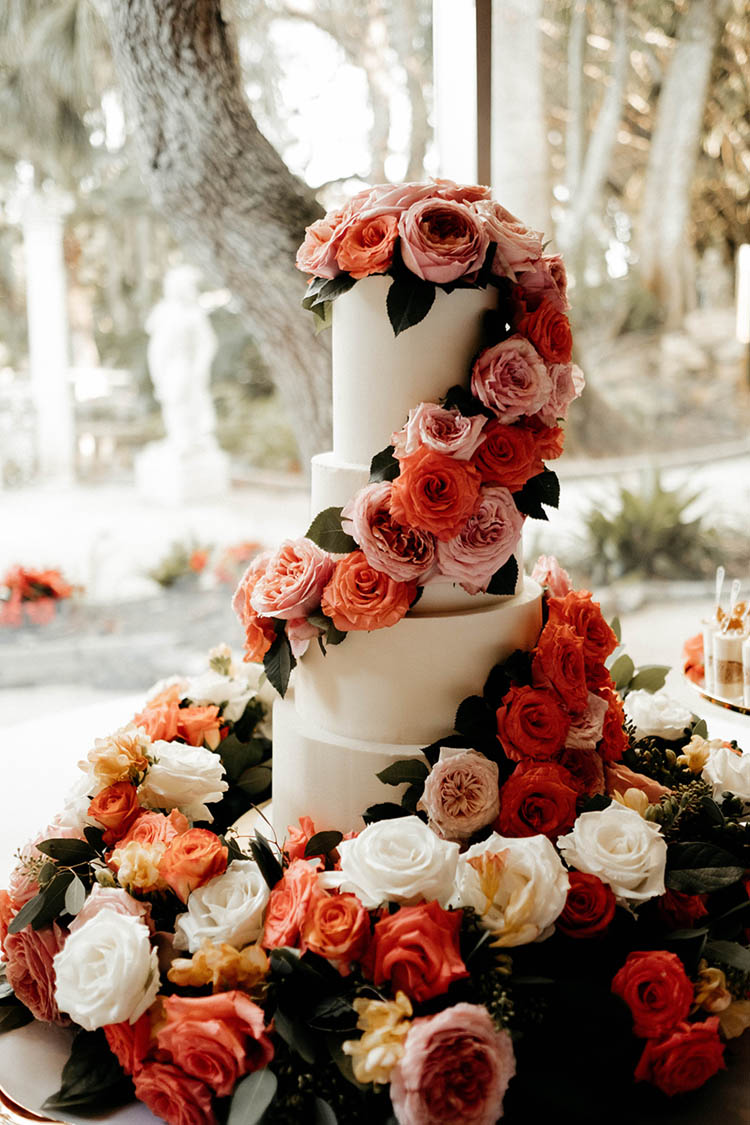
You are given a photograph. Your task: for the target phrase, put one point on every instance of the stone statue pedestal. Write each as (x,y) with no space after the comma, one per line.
(168,476)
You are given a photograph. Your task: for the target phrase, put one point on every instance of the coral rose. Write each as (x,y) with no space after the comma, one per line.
(288,904)
(191,859)
(297,838)
(260,632)
(460,794)
(416,951)
(435,493)
(589,907)
(508,455)
(531,723)
(690,1055)
(405,554)
(293,580)
(558,664)
(366,246)
(656,988)
(537,799)
(30,970)
(130,1042)
(317,254)
(614,741)
(363,598)
(549,331)
(173,1095)
(444,431)
(442,240)
(620,778)
(578,610)
(455,1069)
(548,572)
(511,378)
(168,721)
(336,927)
(115,808)
(216,1039)
(485,542)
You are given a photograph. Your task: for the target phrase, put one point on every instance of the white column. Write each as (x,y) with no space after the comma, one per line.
(455,85)
(47,316)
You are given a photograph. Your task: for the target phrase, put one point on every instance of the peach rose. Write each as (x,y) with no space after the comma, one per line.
(336,927)
(620,778)
(367,244)
(442,240)
(297,838)
(293,580)
(317,254)
(173,1095)
(167,721)
(508,456)
(115,809)
(485,542)
(358,597)
(260,632)
(30,971)
(405,554)
(445,431)
(288,904)
(191,859)
(434,493)
(156,828)
(216,1039)
(517,247)
(511,378)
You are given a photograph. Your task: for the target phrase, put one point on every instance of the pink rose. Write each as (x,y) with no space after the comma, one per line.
(548,572)
(517,247)
(30,972)
(442,240)
(455,1062)
(389,199)
(293,580)
(110,898)
(586,730)
(299,633)
(565,388)
(445,431)
(545,280)
(462,193)
(173,1095)
(405,554)
(620,778)
(461,794)
(511,378)
(317,254)
(216,1039)
(485,543)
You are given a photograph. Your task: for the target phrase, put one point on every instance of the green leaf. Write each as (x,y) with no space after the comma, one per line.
(622,671)
(544,488)
(504,580)
(13,1014)
(700,729)
(235,851)
(324,1115)
(323,316)
(75,896)
(255,780)
(649,678)
(409,300)
(252,1097)
(69,852)
(313,289)
(616,628)
(385,810)
(729,953)
(92,1079)
(95,837)
(264,856)
(334,1013)
(384,466)
(406,770)
(238,756)
(278,663)
(331,289)
(326,531)
(475,719)
(322,843)
(699,868)
(295,1035)
(27,914)
(461,399)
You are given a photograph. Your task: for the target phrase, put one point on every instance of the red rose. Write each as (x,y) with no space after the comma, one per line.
(130,1042)
(589,908)
(435,493)
(191,859)
(531,723)
(416,949)
(614,741)
(585,616)
(679,910)
(549,440)
(115,808)
(173,1095)
(549,331)
(685,1059)
(656,988)
(216,1039)
(598,677)
(585,768)
(558,664)
(508,455)
(537,799)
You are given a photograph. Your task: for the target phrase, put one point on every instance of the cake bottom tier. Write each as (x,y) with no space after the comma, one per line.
(324,775)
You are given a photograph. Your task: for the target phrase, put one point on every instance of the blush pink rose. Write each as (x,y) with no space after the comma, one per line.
(548,572)
(299,633)
(586,730)
(442,240)
(317,254)
(485,543)
(293,580)
(462,193)
(366,246)
(511,378)
(545,280)
(156,828)
(173,1095)
(110,898)
(445,431)
(389,199)
(566,387)
(405,554)
(288,904)
(517,248)
(30,971)
(620,778)
(216,1039)
(461,794)
(455,1059)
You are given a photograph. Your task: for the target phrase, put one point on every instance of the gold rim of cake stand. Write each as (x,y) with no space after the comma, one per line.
(727,704)
(11,1113)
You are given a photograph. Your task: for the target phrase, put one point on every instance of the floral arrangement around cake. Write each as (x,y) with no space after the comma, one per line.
(447,500)
(31,595)
(558,861)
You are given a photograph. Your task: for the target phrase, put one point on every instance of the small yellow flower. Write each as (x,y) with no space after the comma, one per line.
(222,966)
(137,866)
(697,752)
(711,992)
(634,799)
(385,1024)
(121,757)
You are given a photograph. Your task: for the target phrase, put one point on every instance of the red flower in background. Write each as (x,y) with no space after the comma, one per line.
(690,1055)
(589,908)
(656,988)
(679,910)
(693,659)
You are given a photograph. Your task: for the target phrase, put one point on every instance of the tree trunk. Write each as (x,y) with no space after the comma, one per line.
(228,195)
(664,252)
(574,127)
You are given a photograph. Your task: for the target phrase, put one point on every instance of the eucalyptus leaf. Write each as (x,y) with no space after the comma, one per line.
(650,677)
(408,302)
(332,288)
(616,627)
(406,770)
(27,914)
(622,671)
(75,896)
(252,1097)
(326,531)
(69,852)
(729,953)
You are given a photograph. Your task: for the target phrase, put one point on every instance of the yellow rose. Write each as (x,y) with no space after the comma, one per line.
(137,866)
(123,756)
(222,966)
(385,1024)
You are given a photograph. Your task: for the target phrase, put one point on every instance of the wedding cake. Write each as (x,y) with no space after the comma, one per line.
(451,371)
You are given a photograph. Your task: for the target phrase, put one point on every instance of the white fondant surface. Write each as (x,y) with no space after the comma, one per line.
(379,377)
(333,482)
(403,684)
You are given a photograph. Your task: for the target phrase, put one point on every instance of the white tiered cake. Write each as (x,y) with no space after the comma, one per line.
(384,695)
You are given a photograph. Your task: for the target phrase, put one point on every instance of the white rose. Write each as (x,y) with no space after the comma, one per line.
(624,850)
(727,771)
(228,908)
(183,777)
(233,692)
(107,971)
(75,811)
(399,860)
(656,715)
(518,886)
